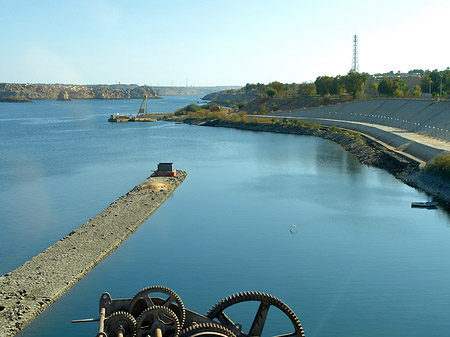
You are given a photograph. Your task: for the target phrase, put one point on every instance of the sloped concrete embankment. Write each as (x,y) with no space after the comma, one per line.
(415,115)
(31,288)
(423,152)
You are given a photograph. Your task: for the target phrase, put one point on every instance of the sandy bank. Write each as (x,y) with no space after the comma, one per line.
(31,288)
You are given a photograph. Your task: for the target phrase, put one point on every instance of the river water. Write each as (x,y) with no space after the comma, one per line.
(360,261)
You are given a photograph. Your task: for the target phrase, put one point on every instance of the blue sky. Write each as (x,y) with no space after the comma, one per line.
(216,42)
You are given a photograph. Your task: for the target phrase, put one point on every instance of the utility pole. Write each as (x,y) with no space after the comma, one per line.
(440,92)
(355,63)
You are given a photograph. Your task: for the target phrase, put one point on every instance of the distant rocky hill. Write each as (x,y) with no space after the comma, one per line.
(72,91)
(252,103)
(175,91)
(228,97)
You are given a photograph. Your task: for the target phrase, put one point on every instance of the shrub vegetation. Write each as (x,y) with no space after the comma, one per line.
(440,165)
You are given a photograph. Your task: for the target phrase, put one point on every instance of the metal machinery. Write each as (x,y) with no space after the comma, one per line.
(141,116)
(143,111)
(159,312)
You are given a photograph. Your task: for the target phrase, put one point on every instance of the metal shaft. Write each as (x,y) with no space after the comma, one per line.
(86,320)
(158,332)
(120,332)
(101,325)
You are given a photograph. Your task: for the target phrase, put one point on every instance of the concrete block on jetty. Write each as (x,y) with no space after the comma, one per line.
(30,289)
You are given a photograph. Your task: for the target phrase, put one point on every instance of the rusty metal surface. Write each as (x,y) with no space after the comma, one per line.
(158,311)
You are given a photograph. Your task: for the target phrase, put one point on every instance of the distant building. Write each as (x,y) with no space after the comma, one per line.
(165,170)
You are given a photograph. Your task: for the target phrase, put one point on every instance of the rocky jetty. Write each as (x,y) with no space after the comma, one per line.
(69,91)
(30,289)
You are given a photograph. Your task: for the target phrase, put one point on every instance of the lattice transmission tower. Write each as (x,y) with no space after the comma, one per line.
(355,64)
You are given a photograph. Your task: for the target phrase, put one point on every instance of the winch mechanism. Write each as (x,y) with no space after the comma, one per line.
(159,312)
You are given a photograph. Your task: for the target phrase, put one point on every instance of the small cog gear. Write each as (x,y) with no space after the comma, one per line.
(120,320)
(142,301)
(158,317)
(217,312)
(206,330)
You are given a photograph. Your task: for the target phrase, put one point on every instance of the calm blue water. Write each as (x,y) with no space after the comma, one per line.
(362,263)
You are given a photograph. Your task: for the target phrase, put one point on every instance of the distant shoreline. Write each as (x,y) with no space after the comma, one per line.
(11,99)
(66,92)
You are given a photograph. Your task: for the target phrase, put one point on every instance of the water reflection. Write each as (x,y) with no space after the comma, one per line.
(329,158)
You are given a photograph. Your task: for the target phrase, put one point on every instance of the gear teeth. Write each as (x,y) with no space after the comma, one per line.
(212,328)
(157,289)
(142,319)
(121,318)
(215,311)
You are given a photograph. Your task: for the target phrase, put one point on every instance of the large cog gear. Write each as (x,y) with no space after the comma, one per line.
(217,312)
(120,320)
(142,301)
(158,317)
(206,330)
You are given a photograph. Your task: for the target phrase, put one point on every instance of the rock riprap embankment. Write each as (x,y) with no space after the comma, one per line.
(31,288)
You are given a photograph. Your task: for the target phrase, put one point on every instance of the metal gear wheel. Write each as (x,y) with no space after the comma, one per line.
(206,330)
(157,317)
(120,320)
(142,301)
(217,312)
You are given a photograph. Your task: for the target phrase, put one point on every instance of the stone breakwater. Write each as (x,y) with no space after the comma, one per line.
(368,152)
(30,289)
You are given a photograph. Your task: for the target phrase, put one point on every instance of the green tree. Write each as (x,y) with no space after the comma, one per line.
(446,81)
(337,85)
(250,87)
(400,86)
(262,109)
(386,87)
(373,87)
(306,89)
(355,83)
(273,107)
(433,77)
(242,104)
(193,108)
(323,85)
(393,87)
(271,92)
(417,91)
(397,93)
(279,87)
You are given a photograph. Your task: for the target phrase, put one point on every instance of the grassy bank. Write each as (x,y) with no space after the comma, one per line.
(195,114)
